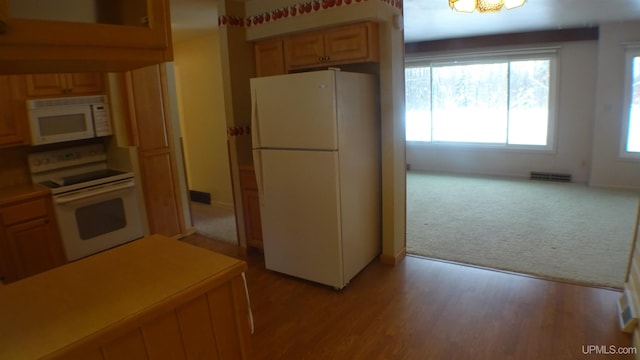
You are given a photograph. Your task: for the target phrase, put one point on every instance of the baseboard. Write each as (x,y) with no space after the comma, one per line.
(222,205)
(393,260)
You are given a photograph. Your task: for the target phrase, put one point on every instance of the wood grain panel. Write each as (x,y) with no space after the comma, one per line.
(34,247)
(45,84)
(270,58)
(85,82)
(304,49)
(349,43)
(24,211)
(128,347)
(149,113)
(163,338)
(224,322)
(242,315)
(197,330)
(161,200)
(94,354)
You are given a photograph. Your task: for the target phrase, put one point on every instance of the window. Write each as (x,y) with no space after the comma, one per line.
(505,101)
(631,128)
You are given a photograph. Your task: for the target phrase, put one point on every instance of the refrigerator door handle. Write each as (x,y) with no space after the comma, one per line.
(255,127)
(257,165)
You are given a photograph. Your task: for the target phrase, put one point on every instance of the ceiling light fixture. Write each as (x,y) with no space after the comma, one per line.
(484,5)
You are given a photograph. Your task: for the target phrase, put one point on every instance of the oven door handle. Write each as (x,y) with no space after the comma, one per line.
(84,194)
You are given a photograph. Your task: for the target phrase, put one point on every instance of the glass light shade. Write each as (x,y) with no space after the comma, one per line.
(484,5)
(490,5)
(463,5)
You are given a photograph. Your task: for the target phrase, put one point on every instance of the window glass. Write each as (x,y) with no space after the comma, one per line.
(504,102)
(418,103)
(470,103)
(633,133)
(528,102)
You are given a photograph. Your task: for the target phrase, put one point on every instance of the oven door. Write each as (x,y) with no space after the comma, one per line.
(98,218)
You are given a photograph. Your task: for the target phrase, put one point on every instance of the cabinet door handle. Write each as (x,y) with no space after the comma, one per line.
(3,27)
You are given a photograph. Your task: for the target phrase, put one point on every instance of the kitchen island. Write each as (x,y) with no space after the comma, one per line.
(153,298)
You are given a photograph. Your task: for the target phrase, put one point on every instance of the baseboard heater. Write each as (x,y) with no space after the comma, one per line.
(626,314)
(547,176)
(200,196)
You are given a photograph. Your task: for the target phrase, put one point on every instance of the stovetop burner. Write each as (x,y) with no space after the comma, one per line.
(81,178)
(74,168)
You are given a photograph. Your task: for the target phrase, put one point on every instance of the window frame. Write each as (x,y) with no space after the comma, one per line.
(631,52)
(547,53)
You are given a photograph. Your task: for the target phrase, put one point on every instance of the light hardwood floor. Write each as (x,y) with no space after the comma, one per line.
(425,309)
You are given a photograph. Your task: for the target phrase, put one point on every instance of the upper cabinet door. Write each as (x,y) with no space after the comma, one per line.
(305,49)
(269,58)
(13,122)
(64,84)
(122,34)
(349,44)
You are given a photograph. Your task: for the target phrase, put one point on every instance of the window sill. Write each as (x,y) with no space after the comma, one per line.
(481,147)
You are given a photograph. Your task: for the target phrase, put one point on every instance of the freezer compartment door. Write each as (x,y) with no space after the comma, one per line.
(295,111)
(299,203)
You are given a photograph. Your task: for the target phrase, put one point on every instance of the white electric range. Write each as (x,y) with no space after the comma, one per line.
(96,207)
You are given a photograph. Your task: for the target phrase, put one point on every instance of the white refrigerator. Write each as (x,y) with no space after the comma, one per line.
(316,153)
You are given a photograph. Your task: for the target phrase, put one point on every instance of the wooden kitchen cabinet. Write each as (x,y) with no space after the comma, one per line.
(13,114)
(341,45)
(151,133)
(29,240)
(65,84)
(251,207)
(269,57)
(68,35)
(153,298)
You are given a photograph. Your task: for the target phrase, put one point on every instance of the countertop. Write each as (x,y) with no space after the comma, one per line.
(18,193)
(83,299)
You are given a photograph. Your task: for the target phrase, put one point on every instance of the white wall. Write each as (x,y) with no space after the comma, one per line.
(608,169)
(577,62)
(589,122)
(202,117)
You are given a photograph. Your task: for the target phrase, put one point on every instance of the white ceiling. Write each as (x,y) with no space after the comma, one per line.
(433,19)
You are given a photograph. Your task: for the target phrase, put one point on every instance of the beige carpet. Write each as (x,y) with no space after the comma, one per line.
(564,231)
(216,222)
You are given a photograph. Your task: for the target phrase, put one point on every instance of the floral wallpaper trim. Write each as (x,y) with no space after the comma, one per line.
(293,10)
(239,130)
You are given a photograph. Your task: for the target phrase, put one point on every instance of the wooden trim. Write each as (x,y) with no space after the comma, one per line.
(172,149)
(393,260)
(126,84)
(634,240)
(522,38)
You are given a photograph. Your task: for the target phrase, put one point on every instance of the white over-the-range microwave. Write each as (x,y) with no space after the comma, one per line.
(70,118)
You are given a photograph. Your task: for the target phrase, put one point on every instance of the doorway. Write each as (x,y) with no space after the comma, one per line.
(204,135)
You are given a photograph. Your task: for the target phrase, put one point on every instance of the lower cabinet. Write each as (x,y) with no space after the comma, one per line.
(151,132)
(208,327)
(29,240)
(154,298)
(251,207)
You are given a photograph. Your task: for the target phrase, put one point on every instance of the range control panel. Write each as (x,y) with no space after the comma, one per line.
(68,157)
